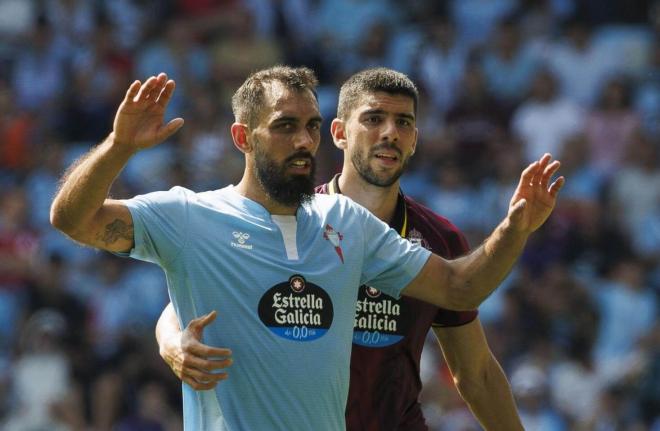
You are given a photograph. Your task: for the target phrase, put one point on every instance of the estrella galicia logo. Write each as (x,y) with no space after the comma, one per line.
(378,320)
(296,310)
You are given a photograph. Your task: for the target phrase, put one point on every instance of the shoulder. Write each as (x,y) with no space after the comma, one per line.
(325,203)
(174,195)
(425,215)
(435,228)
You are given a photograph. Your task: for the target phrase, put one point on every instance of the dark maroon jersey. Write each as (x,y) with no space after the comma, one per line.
(389,334)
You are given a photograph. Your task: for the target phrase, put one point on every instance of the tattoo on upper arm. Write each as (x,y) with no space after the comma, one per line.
(115,231)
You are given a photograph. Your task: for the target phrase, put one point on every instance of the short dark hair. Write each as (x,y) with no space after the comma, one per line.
(248,99)
(371,81)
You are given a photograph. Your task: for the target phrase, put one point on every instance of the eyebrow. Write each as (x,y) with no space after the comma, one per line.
(288,118)
(405,115)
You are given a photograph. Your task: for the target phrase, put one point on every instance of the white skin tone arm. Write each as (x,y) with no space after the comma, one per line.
(195,363)
(81,209)
(464,283)
(478,376)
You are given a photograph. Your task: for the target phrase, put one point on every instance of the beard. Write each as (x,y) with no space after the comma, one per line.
(361,163)
(284,188)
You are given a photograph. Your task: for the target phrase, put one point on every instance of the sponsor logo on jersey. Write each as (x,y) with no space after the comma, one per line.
(241,240)
(296,310)
(378,321)
(378,317)
(335,238)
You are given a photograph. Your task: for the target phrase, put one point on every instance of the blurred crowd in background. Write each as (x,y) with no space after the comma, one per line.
(575,326)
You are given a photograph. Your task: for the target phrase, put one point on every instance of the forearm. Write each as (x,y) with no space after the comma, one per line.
(86,185)
(491,400)
(476,275)
(464,283)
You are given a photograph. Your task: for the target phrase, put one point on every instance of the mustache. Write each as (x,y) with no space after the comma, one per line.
(386,146)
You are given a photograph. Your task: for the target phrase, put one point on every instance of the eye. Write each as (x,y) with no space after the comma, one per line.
(285,126)
(314,125)
(404,122)
(373,119)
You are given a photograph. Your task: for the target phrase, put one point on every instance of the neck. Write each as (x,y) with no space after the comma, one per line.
(252,189)
(381,201)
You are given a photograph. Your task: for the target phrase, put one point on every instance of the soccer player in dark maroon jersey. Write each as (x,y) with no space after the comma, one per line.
(375,127)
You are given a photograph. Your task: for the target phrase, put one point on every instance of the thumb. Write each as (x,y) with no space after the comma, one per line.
(201,322)
(170,128)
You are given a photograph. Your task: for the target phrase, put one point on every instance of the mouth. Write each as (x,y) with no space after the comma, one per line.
(300,164)
(387,158)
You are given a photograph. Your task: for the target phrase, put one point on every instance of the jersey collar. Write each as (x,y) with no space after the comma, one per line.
(400,220)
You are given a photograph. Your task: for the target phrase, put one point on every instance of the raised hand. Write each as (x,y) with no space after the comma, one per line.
(139,122)
(534,200)
(195,363)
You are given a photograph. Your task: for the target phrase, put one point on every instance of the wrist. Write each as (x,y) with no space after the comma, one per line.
(120,147)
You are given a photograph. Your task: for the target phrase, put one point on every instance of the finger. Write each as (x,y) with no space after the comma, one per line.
(169,129)
(145,89)
(166,94)
(161,80)
(528,174)
(132,91)
(538,173)
(204,375)
(556,186)
(199,386)
(200,350)
(549,172)
(204,320)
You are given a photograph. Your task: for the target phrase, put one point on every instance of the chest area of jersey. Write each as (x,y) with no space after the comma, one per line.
(298,279)
(311,243)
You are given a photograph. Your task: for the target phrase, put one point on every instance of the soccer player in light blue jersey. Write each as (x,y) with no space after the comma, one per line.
(280,264)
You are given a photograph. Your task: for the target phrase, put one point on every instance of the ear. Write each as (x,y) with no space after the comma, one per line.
(239,134)
(414,146)
(338,132)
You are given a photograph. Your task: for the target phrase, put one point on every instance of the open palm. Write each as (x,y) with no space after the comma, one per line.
(534,200)
(139,122)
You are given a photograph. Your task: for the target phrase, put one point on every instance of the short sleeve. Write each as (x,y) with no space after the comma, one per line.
(160,223)
(390,262)
(458,246)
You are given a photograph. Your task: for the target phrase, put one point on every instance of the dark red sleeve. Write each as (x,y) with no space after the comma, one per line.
(448,318)
(449,242)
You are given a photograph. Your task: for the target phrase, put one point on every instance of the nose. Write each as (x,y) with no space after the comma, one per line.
(390,132)
(305,141)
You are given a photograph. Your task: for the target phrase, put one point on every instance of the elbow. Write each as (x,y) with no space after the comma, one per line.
(57,218)
(462,295)
(61,222)
(470,389)
(472,384)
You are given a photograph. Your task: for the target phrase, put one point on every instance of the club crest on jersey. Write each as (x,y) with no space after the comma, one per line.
(372,292)
(416,237)
(241,239)
(335,238)
(297,283)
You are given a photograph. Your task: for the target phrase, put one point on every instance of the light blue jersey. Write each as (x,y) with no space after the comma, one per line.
(285,289)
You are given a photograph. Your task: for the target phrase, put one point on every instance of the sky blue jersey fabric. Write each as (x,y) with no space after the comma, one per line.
(285,289)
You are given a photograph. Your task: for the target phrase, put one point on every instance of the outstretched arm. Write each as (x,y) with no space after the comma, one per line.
(191,361)
(464,283)
(478,376)
(81,208)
